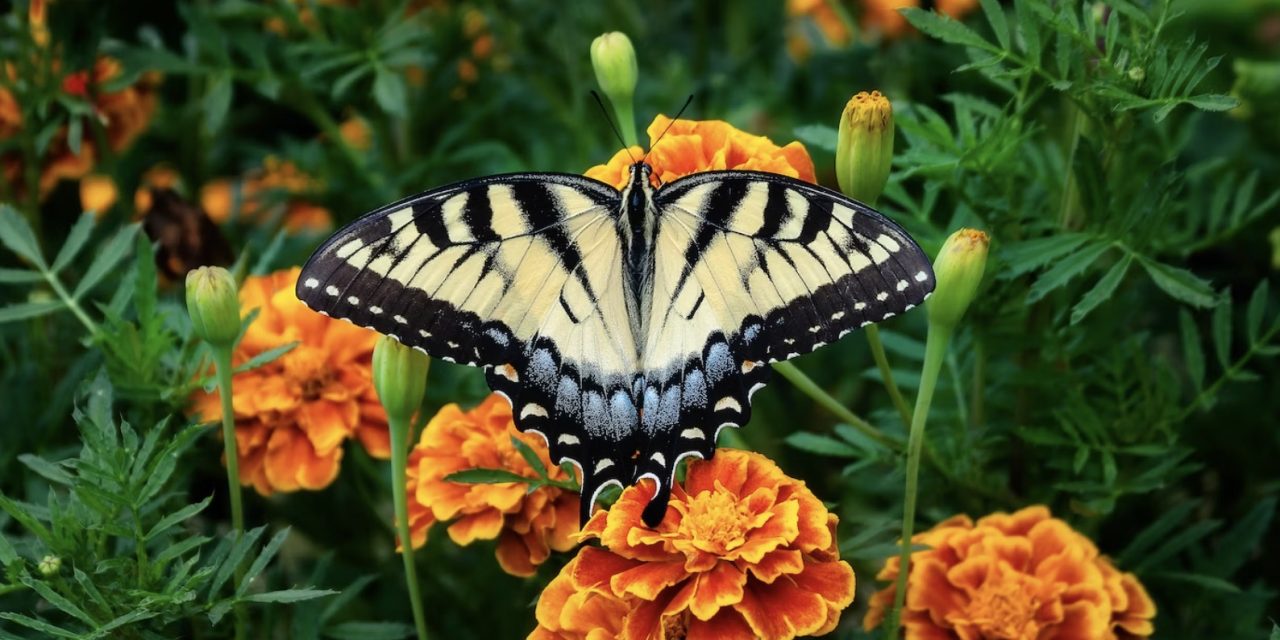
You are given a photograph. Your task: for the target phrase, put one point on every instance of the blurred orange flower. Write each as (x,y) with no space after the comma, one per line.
(528,525)
(691,146)
(294,414)
(277,183)
(814,17)
(743,552)
(1024,575)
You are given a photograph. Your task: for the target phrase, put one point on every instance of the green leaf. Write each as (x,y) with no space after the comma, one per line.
(239,549)
(260,563)
(1222,331)
(1029,28)
(7,552)
(369,631)
(19,276)
(1198,580)
(1213,102)
(1029,255)
(16,234)
(1237,545)
(999,23)
(1058,275)
(24,310)
(266,357)
(145,281)
(530,456)
(390,92)
(944,28)
(486,476)
(217,102)
(1192,353)
(288,595)
(1102,291)
(1180,283)
(106,260)
(1172,518)
(176,517)
(57,600)
(1256,312)
(38,625)
(821,445)
(50,471)
(818,135)
(79,234)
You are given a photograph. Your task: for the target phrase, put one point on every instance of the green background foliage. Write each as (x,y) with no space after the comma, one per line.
(1118,364)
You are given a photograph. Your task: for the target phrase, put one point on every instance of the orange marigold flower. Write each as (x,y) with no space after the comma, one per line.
(528,525)
(1024,575)
(690,146)
(743,552)
(279,183)
(814,17)
(294,414)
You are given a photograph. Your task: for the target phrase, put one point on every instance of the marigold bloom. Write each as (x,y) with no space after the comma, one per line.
(528,525)
(820,16)
(279,181)
(294,414)
(1025,575)
(743,552)
(691,146)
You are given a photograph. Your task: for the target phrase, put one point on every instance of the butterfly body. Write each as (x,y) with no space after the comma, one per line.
(626,327)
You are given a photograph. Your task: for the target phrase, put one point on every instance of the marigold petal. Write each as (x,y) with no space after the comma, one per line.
(517,556)
(596,567)
(325,424)
(781,610)
(726,625)
(1082,621)
(775,563)
(485,525)
(720,587)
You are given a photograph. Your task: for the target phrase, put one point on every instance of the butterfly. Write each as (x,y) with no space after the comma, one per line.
(627,327)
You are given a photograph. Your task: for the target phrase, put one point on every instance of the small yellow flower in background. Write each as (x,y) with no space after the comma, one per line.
(97,193)
(36,19)
(1021,575)
(528,525)
(864,146)
(294,414)
(743,552)
(691,146)
(958,267)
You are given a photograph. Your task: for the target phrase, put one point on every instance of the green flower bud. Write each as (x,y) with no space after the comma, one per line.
(400,376)
(1137,74)
(49,565)
(213,305)
(864,148)
(614,60)
(958,269)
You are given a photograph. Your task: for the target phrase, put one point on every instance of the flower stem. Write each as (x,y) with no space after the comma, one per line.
(625,112)
(886,374)
(399,460)
(934,353)
(222,364)
(811,389)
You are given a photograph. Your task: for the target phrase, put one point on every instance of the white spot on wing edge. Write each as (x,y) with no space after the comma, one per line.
(604,463)
(401,319)
(311,283)
(922,276)
(331,290)
(658,458)
(902,285)
(859,306)
(882,296)
(693,433)
(533,409)
(568,438)
(375,310)
(353,300)
(728,402)
(750,392)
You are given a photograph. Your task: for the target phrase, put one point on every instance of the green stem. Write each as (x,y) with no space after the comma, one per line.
(935,351)
(886,374)
(71,303)
(399,460)
(811,389)
(222,364)
(625,112)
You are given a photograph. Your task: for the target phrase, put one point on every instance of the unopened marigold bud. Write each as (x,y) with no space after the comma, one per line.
(864,148)
(212,305)
(958,268)
(49,565)
(614,60)
(400,377)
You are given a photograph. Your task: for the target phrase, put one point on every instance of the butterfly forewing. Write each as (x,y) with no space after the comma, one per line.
(520,274)
(753,268)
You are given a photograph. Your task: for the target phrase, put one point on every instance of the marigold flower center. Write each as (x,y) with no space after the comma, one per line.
(716,520)
(1005,609)
(308,368)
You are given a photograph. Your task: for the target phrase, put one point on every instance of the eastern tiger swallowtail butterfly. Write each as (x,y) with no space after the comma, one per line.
(625,327)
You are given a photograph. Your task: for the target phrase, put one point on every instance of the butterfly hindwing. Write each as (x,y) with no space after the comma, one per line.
(754,268)
(520,274)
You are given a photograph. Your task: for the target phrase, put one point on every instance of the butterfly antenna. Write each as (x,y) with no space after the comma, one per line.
(612,126)
(673,121)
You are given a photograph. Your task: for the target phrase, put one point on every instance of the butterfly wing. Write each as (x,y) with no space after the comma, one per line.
(519,274)
(752,268)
